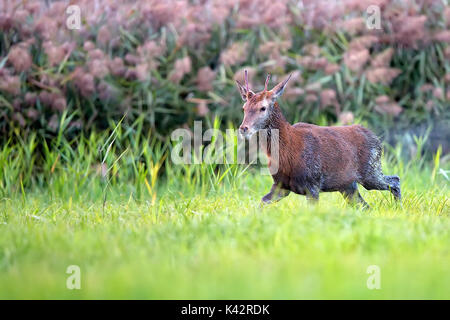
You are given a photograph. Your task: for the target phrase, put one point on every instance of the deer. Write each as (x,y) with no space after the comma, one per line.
(313,159)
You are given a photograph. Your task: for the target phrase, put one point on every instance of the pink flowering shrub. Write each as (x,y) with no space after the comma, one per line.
(173,61)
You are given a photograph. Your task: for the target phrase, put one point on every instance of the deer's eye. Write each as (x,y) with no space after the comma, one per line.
(263,109)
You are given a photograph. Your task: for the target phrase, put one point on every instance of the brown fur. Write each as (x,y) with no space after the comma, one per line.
(314,158)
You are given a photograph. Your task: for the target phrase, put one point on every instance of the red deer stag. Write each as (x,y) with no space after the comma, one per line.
(313,158)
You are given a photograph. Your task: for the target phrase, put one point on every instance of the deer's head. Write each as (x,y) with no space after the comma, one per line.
(258,107)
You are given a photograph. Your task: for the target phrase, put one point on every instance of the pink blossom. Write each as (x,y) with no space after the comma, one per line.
(132,59)
(143,71)
(98,68)
(104,35)
(182,67)
(311,98)
(346,118)
(353,25)
(21,16)
(20,58)
(46,27)
(32,114)
(409,30)
(276,16)
(152,49)
(59,103)
(6,22)
(442,36)
(84,82)
(382,99)
(292,93)
(312,49)
(234,54)
(382,75)
(205,78)
(88,46)
(319,63)
(331,68)
(30,98)
(202,108)
(385,106)
(328,98)
(96,54)
(314,87)
(438,93)
(306,62)
(10,84)
(383,59)
(45,98)
(117,67)
(356,59)
(55,55)
(363,42)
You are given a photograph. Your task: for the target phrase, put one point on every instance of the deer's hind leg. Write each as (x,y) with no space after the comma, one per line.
(374,179)
(391,183)
(352,195)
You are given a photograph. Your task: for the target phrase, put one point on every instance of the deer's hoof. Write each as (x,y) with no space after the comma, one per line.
(265,201)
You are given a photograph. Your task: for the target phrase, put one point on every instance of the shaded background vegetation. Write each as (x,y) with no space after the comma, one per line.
(171,62)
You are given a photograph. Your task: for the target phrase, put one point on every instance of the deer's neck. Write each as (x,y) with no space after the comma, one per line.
(277,122)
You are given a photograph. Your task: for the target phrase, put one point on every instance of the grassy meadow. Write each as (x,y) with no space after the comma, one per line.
(141,227)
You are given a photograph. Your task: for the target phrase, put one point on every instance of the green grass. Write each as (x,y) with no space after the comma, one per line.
(197,232)
(223,246)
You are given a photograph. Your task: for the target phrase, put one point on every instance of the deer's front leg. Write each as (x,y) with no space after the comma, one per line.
(276,193)
(312,195)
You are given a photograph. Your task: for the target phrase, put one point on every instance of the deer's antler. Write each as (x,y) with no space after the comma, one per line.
(267,82)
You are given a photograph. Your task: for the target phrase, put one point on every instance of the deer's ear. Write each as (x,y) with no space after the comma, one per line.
(277,91)
(243,91)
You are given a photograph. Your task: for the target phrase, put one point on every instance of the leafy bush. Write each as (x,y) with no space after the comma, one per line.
(174,61)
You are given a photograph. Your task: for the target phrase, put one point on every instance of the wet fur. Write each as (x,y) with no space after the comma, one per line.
(315,159)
